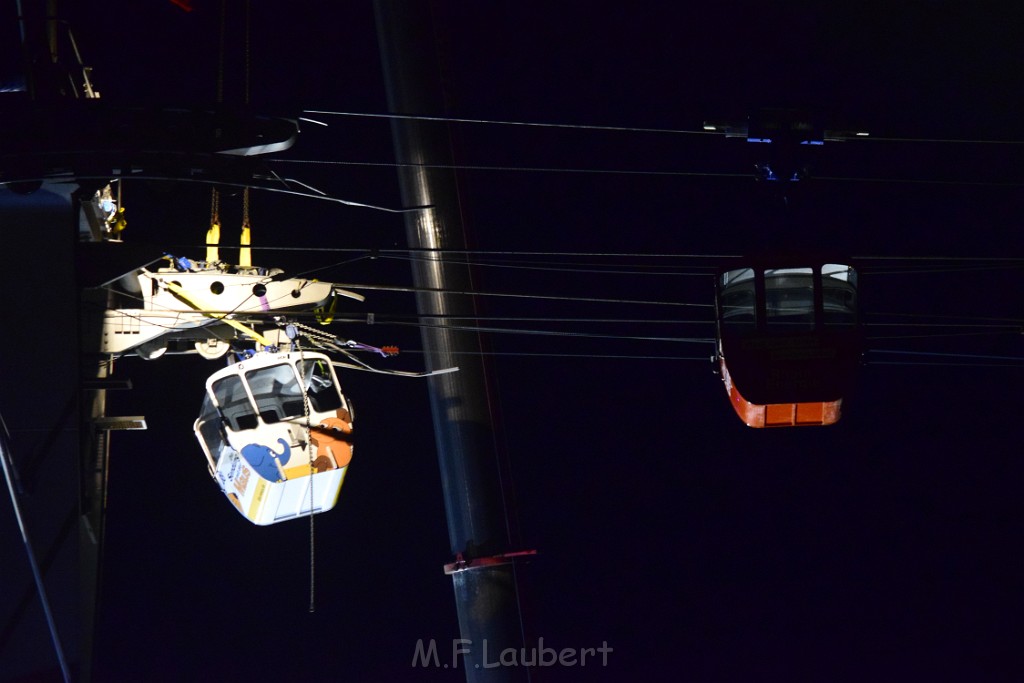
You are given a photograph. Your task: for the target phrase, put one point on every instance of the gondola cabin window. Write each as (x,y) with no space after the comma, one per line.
(789,341)
(234,404)
(839,294)
(738,297)
(319,383)
(211,434)
(276,392)
(789,297)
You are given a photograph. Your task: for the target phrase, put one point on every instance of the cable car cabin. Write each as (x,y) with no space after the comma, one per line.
(276,431)
(789,342)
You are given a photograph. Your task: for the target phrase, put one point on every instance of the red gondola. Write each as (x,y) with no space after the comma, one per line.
(789,340)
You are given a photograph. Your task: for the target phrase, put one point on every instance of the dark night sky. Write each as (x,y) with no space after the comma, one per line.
(882,548)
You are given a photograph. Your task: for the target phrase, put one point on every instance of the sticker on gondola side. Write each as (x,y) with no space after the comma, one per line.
(233,473)
(242,480)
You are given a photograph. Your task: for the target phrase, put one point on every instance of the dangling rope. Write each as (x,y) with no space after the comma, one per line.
(293,334)
(312,471)
(312,529)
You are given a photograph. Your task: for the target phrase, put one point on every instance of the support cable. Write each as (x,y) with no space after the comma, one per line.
(1010,261)
(705,359)
(980,356)
(553,333)
(635,129)
(554,267)
(517,169)
(450,119)
(8,466)
(641,172)
(264,188)
(546,297)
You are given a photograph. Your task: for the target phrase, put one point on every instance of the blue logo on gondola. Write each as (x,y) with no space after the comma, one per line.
(264,460)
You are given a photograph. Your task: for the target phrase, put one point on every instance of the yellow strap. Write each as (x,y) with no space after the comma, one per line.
(245,254)
(177,289)
(325,314)
(212,240)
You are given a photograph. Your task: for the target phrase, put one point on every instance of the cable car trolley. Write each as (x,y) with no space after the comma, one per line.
(276,431)
(188,303)
(789,339)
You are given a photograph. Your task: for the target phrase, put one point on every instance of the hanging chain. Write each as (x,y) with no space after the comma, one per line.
(215,207)
(245,253)
(318,337)
(213,232)
(312,471)
(245,208)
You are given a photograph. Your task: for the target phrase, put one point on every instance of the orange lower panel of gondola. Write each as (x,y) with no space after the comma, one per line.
(758,415)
